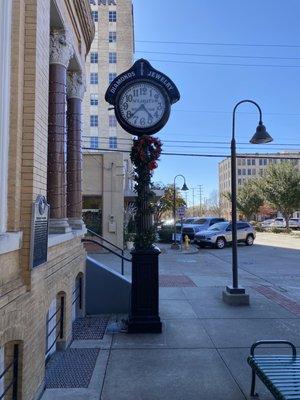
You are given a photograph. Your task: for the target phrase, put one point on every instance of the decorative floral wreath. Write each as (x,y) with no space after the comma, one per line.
(145,152)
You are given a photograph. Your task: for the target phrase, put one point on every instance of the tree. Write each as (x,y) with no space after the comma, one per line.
(281,188)
(164,206)
(249,198)
(214,205)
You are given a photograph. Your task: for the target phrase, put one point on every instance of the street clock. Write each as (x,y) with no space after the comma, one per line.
(142,99)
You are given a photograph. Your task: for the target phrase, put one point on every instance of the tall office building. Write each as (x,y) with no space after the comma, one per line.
(111,54)
(107,179)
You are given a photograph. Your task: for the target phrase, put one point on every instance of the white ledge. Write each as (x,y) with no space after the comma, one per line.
(10,241)
(55,239)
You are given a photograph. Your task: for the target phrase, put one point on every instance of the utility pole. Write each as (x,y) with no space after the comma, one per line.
(200,198)
(193,189)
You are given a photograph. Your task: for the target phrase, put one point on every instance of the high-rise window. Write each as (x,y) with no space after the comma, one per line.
(253,161)
(239,172)
(94,142)
(112,58)
(94,99)
(112,121)
(93,120)
(113,143)
(94,57)
(94,78)
(111,77)
(249,171)
(112,37)
(112,16)
(95,16)
(248,161)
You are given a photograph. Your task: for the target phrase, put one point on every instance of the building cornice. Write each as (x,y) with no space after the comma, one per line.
(85,18)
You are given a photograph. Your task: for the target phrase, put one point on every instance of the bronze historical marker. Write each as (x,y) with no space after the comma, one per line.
(39,231)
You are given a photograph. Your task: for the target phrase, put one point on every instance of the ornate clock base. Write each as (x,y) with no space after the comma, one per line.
(144,314)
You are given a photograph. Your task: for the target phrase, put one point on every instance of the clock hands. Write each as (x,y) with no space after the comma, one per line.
(141,108)
(137,110)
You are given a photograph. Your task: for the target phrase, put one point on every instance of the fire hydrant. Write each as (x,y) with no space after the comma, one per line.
(187,241)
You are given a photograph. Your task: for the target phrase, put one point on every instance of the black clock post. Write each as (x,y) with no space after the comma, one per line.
(142,99)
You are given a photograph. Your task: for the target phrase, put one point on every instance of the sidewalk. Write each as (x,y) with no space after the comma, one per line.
(202,352)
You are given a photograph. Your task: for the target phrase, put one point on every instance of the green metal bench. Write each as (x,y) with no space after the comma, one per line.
(279,373)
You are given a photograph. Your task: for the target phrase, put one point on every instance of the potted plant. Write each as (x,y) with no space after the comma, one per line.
(129,240)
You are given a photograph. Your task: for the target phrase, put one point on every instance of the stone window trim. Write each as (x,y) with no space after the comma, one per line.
(5,60)
(10,241)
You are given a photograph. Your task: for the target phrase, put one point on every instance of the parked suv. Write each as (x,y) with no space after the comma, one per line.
(218,235)
(199,224)
(278,223)
(294,223)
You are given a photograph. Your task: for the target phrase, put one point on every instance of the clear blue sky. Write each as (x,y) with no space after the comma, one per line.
(209,92)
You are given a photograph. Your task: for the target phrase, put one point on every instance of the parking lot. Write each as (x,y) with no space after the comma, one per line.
(273,260)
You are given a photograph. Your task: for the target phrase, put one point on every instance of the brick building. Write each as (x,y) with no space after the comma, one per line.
(43,46)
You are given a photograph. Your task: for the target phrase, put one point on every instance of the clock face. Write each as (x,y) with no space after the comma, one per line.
(142,105)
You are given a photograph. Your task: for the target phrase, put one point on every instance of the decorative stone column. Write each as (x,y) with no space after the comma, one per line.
(75,93)
(61,51)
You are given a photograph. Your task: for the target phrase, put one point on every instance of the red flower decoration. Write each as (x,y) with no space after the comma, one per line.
(145,152)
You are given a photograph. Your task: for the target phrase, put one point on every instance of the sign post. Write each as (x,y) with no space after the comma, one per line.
(142,99)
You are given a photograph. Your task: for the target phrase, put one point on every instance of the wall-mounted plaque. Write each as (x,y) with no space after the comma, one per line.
(39,231)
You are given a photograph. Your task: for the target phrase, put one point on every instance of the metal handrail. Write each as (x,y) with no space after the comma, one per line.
(105,240)
(85,240)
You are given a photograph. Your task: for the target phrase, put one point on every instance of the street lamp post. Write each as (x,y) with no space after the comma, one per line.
(235,295)
(184,188)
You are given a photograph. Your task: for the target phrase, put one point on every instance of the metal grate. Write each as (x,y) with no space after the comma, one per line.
(89,328)
(175,281)
(72,368)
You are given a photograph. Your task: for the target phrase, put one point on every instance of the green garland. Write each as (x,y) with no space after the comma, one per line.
(144,155)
